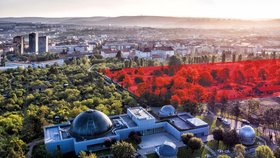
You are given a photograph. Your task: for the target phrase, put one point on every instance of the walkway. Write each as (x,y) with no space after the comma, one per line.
(31,146)
(210,150)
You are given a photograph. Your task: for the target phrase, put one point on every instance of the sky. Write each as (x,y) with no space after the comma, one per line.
(240,9)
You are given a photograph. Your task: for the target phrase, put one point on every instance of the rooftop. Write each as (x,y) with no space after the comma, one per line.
(90,124)
(140,113)
(185,121)
(52,134)
(197,122)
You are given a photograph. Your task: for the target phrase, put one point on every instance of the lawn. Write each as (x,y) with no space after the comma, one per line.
(211,122)
(213,144)
(103,152)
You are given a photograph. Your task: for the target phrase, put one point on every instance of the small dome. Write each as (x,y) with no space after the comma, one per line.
(167,149)
(247,135)
(167,110)
(90,124)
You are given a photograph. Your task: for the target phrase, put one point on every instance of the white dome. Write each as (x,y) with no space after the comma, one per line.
(247,135)
(167,110)
(167,149)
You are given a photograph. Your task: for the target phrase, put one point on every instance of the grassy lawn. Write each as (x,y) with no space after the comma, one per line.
(258,133)
(211,122)
(186,152)
(214,145)
(103,152)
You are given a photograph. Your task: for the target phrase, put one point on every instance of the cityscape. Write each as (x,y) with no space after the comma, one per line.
(140,79)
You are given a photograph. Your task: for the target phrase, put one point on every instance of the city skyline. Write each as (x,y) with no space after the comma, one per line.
(237,9)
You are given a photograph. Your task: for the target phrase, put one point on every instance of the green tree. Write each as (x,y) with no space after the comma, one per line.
(233,57)
(213,60)
(16,148)
(278,138)
(264,151)
(223,101)
(236,111)
(224,57)
(174,64)
(195,144)
(11,123)
(253,106)
(230,138)
(186,137)
(240,57)
(277,152)
(123,150)
(239,150)
(40,151)
(85,155)
(218,134)
(119,55)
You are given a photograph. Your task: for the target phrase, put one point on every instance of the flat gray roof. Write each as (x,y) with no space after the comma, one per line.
(128,121)
(52,134)
(197,122)
(185,121)
(179,123)
(140,113)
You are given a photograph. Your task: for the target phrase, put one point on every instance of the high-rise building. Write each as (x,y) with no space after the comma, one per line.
(19,44)
(33,42)
(43,44)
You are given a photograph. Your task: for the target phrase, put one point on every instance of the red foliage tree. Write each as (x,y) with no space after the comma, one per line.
(238,77)
(205,79)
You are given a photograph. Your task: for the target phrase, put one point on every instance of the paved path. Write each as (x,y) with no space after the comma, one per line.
(31,146)
(210,150)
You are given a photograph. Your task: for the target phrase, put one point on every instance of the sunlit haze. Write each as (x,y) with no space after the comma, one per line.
(244,9)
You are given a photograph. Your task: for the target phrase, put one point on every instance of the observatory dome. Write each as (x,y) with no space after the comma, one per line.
(90,124)
(247,135)
(167,110)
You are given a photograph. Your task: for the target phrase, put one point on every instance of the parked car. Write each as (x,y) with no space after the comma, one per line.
(220,118)
(245,122)
(226,122)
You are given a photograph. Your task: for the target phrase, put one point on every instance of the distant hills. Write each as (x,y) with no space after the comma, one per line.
(151,21)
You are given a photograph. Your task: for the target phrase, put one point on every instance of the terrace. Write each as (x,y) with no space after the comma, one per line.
(52,134)
(140,113)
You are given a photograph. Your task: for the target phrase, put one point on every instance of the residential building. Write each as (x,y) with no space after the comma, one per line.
(33,42)
(43,44)
(19,44)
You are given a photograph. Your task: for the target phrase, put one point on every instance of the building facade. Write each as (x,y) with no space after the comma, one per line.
(90,129)
(43,44)
(19,44)
(33,42)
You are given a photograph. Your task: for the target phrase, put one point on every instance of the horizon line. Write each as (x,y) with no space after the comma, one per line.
(196,17)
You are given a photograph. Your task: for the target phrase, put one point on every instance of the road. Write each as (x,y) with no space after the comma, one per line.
(233,123)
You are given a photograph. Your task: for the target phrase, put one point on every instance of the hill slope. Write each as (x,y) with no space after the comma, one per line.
(150,21)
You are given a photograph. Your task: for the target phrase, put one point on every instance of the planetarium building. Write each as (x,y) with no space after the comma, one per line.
(91,129)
